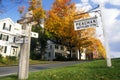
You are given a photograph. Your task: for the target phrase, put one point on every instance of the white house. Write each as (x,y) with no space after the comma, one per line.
(8,32)
(54,50)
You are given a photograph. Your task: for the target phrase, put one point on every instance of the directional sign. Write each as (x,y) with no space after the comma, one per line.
(19,40)
(34,34)
(85,23)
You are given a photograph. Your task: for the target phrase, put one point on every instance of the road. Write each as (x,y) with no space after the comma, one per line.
(4,71)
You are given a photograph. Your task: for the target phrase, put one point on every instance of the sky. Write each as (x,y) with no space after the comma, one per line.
(111,17)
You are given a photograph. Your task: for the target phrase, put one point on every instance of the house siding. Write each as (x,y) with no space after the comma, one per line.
(8,30)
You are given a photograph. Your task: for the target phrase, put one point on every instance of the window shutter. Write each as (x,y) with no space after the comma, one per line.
(10,28)
(4,24)
(5,50)
(7,38)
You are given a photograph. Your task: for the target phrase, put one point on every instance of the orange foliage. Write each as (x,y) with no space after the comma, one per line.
(38,12)
(87,40)
(60,20)
(99,47)
(32,5)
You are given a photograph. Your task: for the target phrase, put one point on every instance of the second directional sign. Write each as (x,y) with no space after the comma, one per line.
(34,34)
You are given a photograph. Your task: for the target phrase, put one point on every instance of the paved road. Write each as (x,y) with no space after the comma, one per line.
(4,71)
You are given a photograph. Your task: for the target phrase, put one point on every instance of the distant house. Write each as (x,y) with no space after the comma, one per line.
(55,50)
(8,32)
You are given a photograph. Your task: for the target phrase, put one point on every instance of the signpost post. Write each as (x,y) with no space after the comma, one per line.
(23,69)
(109,64)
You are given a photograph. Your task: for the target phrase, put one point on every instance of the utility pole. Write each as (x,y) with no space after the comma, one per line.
(23,69)
(109,64)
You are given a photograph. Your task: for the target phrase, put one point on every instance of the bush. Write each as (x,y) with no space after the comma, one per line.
(35,56)
(1,56)
(12,58)
(60,58)
(8,60)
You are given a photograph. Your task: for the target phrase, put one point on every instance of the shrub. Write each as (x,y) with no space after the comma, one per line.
(12,58)
(60,58)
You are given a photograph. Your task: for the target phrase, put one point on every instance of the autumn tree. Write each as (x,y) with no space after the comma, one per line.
(41,42)
(59,21)
(38,11)
(87,39)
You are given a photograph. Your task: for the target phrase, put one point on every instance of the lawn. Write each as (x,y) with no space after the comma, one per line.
(95,70)
(15,63)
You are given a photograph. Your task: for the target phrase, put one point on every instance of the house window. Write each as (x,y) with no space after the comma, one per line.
(8,28)
(56,46)
(1,48)
(5,49)
(50,46)
(7,38)
(62,48)
(91,21)
(0,36)
(74,56)
(4,24)
(73,51)
(49,54)
(4,37)
(14,39)
(58,54)
(88,22)
(14,50)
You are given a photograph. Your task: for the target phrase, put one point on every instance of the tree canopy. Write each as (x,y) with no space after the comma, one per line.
(38,11)
(59,23)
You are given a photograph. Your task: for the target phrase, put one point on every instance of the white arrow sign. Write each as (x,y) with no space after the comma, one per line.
(34,34)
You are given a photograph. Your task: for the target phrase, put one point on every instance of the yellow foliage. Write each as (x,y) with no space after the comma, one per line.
(38,12)
(32,5)
(87,40)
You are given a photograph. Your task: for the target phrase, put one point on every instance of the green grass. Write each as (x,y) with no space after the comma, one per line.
(95,70)
(15,63)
